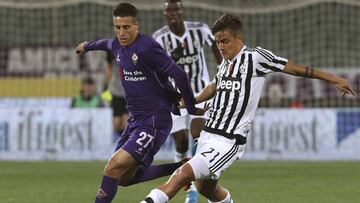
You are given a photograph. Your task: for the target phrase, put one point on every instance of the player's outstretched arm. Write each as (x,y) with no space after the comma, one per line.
(207,93)
(300,70)
(103,45)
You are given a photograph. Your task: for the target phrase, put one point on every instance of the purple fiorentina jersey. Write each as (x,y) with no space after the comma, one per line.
(143,68)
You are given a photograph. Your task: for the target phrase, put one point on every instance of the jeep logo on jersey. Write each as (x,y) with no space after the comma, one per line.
(187,59)
(229,84)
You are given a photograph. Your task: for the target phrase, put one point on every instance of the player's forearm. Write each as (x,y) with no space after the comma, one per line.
(304,71)
(207,93)
(182,83)
(103,44)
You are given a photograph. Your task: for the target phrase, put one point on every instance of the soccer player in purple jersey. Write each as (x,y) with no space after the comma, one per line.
(143,68)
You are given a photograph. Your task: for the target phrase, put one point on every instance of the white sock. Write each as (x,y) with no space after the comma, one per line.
(179,156)
(226,200)
(158,196)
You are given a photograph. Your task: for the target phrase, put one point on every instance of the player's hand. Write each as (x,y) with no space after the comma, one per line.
(343,86)
(199,111)
(80,50)
(181,104)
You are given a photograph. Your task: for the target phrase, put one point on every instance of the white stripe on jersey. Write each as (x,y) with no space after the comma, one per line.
(188,50)
(238,87)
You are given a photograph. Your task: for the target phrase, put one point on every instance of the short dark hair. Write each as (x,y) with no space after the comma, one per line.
(173,1)
(228,21)
(124,10)
(88,80)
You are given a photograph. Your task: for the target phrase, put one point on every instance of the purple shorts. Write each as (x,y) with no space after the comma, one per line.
(142,138)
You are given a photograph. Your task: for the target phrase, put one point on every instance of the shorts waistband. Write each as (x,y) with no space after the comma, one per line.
(240,139)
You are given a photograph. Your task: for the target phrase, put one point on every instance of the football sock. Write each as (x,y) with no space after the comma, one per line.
(226,200)
(107,190)
(154,171)
(156,196)
(179,156)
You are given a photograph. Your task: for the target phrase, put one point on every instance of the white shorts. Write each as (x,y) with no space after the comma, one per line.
(183,121)
(214,154)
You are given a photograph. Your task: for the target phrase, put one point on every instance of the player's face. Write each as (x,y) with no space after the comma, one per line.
(229,44)
(88,89)
(174,13)
(126,29)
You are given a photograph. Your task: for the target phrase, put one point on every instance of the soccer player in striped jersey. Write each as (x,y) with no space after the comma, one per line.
(236,92)
(185,41)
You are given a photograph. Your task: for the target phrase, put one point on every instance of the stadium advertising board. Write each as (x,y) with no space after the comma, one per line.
(304,134)
(298,134)
(55,133)
(40,61)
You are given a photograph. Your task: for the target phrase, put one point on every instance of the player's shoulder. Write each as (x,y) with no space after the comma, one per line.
(160,32)
(146,42)
(195,24)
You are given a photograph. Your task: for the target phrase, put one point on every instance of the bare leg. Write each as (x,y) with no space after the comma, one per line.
(211,190)
(179,179)
(196,126)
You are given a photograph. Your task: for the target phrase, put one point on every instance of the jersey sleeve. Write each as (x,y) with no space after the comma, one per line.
(102,44)
(208,36)
(267,62)
(157,59)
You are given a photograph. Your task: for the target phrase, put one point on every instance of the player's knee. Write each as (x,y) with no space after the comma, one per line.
(204,190)
(115,168)
(182,177)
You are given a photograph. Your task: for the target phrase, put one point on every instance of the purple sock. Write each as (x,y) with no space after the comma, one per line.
(107,190)
(154,171)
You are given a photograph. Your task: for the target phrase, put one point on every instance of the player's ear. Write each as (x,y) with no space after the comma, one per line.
(240,36)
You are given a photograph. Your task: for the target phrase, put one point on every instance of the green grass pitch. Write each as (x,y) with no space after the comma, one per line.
(248,181)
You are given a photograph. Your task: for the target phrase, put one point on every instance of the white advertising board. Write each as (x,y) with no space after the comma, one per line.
(304,134)
(55,134)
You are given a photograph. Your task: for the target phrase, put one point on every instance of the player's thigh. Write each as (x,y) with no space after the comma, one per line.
(120,163)
(214,155)
(146,138)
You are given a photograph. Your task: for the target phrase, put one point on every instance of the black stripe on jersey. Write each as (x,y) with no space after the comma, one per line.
(164,44)
(265,65)
(197,64)
(236,95)
(279,61)
(170,42)
(217,101)
(226,100)
(223,159)
(247,93)
(187,53)
(260,73)
(266,55)
(200,36)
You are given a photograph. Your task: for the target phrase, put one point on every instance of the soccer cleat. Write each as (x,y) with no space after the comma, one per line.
(192,195)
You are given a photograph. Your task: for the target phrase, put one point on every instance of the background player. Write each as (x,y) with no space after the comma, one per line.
(144,69)
(185,41)
(236,91)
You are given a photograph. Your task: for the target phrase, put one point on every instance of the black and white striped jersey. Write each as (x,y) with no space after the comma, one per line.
(188,50)
(238,87)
